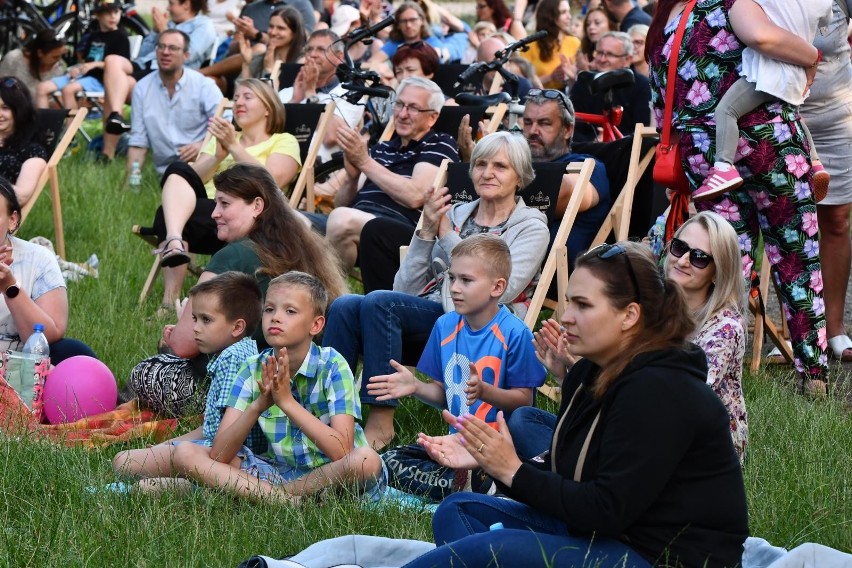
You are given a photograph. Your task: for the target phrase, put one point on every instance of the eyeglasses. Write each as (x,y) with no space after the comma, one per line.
(169,48)
(697,257)
(398,106)
(405,21)
(553,95)
(607,251)
(609,54)
(314,49)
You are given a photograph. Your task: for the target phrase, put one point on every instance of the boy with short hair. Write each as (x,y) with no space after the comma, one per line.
(88,75)
(304,399)
(480,357)
(225,313)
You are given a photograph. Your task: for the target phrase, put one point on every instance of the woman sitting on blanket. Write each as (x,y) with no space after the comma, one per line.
(704,259)
(642,471)
(184,222)
(262,236)
(33,290)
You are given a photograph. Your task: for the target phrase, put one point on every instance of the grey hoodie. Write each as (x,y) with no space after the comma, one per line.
(525,232)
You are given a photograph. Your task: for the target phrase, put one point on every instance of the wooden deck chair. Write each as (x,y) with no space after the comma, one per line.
(763,325)
(446,76)
(641,155)
(309,124)
(275,75)
(60,126)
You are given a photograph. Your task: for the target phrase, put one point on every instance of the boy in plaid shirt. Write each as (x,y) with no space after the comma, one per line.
(225,313)
(304,399)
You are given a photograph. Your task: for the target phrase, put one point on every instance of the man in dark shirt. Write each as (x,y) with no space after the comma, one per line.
(614,50)
(391,179)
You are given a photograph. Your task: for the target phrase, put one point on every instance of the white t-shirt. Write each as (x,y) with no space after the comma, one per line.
(38,273)
(782,80)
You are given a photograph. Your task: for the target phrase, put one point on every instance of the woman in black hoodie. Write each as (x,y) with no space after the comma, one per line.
(641,472)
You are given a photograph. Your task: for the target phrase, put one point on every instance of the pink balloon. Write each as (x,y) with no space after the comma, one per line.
(78,387)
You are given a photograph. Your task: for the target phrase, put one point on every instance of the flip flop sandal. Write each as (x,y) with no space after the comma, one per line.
(775,357)
(169,258)
(838,346)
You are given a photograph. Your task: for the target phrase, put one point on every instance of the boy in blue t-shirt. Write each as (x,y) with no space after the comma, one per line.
(481,357)
(225,312)
(303,397)
(88,75)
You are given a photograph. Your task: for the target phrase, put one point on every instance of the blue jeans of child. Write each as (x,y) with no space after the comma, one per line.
(532,431)
(376,326)
(529,538)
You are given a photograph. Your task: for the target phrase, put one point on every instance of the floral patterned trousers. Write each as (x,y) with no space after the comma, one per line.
(776,202)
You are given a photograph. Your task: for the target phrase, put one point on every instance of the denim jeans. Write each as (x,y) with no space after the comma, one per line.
(532,431)
(376,326)
(528,538)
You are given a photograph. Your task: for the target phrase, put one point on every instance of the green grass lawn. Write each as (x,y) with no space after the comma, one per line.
(797,473)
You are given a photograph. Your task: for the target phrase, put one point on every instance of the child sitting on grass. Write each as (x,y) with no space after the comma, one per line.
(480,357)
(303,397)
(225,313)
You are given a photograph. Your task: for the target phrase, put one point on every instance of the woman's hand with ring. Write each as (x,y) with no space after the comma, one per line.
(492,450)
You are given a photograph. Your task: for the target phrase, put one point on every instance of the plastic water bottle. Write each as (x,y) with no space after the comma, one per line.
(496,527)
(135,179)
(36,348)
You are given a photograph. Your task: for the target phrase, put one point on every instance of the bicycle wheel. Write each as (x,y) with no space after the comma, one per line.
(133,24)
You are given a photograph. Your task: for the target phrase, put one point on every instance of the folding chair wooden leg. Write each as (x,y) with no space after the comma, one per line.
(59,227)
(763,324)
(149,281)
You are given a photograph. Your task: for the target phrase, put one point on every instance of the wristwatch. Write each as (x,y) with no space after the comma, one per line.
(259,36)
(13,290)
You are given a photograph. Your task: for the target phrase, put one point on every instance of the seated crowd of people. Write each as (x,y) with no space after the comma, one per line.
(642,461)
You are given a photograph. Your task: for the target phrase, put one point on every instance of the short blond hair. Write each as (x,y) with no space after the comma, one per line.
(490,249)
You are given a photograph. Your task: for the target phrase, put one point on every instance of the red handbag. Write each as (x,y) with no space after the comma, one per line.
(668,168)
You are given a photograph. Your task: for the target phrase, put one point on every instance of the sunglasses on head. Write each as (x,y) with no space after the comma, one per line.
(607,251)
(9,82)
(551,94)
(697,257)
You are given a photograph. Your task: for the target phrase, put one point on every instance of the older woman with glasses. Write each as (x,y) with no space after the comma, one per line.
(23,156)
(641,467)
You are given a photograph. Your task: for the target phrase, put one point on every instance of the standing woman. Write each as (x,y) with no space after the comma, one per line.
(776,200)
(553,56)
(23,157)
(828,113)
(641,470)
(287,38)
(39,60)
(188,190)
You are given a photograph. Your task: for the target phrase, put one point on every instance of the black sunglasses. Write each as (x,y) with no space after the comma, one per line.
(551,94)
(697,257)
(607,251)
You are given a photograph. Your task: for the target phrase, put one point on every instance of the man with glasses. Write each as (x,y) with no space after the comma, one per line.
(121,74)
(614,50)
(317,82)
(172,107)
(390,179)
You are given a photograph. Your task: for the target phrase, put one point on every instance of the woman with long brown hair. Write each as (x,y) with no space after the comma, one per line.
(553,56)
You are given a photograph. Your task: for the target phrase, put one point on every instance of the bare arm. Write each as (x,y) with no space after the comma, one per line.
(27,180)
(754,28)
(589,200)
(135,154)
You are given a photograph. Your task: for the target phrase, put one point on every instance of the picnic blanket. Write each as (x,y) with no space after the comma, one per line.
(126,422)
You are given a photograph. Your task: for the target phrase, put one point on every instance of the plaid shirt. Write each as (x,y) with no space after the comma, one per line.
(324,386)
(222,372)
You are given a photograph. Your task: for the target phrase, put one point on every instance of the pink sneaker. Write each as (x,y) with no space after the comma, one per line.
(716,183)
(821,179)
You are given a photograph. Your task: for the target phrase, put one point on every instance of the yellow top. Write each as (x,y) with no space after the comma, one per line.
(569,47)
(279,143)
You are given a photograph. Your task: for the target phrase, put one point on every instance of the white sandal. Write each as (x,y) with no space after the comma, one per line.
(775,357)
(837,347)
